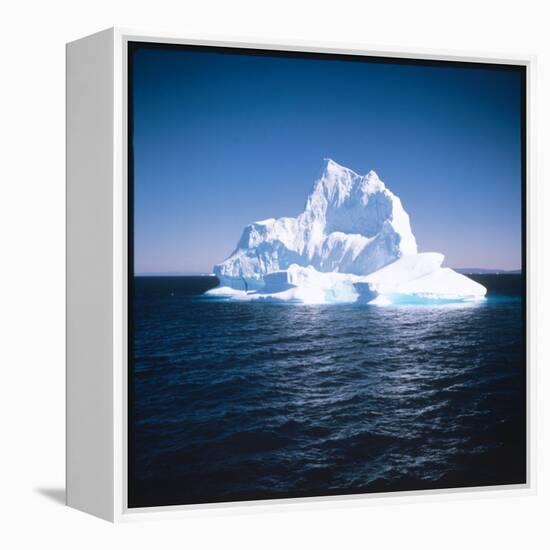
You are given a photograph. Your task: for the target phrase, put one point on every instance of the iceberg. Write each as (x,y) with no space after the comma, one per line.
(353,243)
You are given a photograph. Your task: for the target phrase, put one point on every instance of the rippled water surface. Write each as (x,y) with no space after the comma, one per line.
(238,401)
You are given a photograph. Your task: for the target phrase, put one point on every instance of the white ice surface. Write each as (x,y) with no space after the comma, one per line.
(350,224)
(411,279)
(352,243)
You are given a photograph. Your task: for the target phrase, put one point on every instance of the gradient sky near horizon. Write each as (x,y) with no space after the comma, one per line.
(224,139)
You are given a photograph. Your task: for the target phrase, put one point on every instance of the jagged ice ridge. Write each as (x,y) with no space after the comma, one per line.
(352,243)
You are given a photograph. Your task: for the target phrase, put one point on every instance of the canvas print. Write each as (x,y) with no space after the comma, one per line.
(326,275)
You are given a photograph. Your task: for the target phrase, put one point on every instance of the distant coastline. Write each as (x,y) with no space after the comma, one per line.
(484,271)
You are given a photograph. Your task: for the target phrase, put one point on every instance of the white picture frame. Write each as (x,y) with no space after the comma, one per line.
(97,322)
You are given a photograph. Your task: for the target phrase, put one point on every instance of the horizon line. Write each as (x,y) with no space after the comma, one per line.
(466,270)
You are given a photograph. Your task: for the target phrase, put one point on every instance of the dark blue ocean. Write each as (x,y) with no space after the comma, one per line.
(237,401)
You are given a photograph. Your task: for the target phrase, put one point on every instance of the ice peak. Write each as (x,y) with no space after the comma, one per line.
(341,179)
(332,168)
(336,182)
(371,183)
(351,224)
(339,185)
(372,175)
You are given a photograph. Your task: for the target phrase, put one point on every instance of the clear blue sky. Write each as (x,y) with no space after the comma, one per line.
(221,140)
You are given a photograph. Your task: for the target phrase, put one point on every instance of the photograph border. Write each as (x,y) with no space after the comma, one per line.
(123,253)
